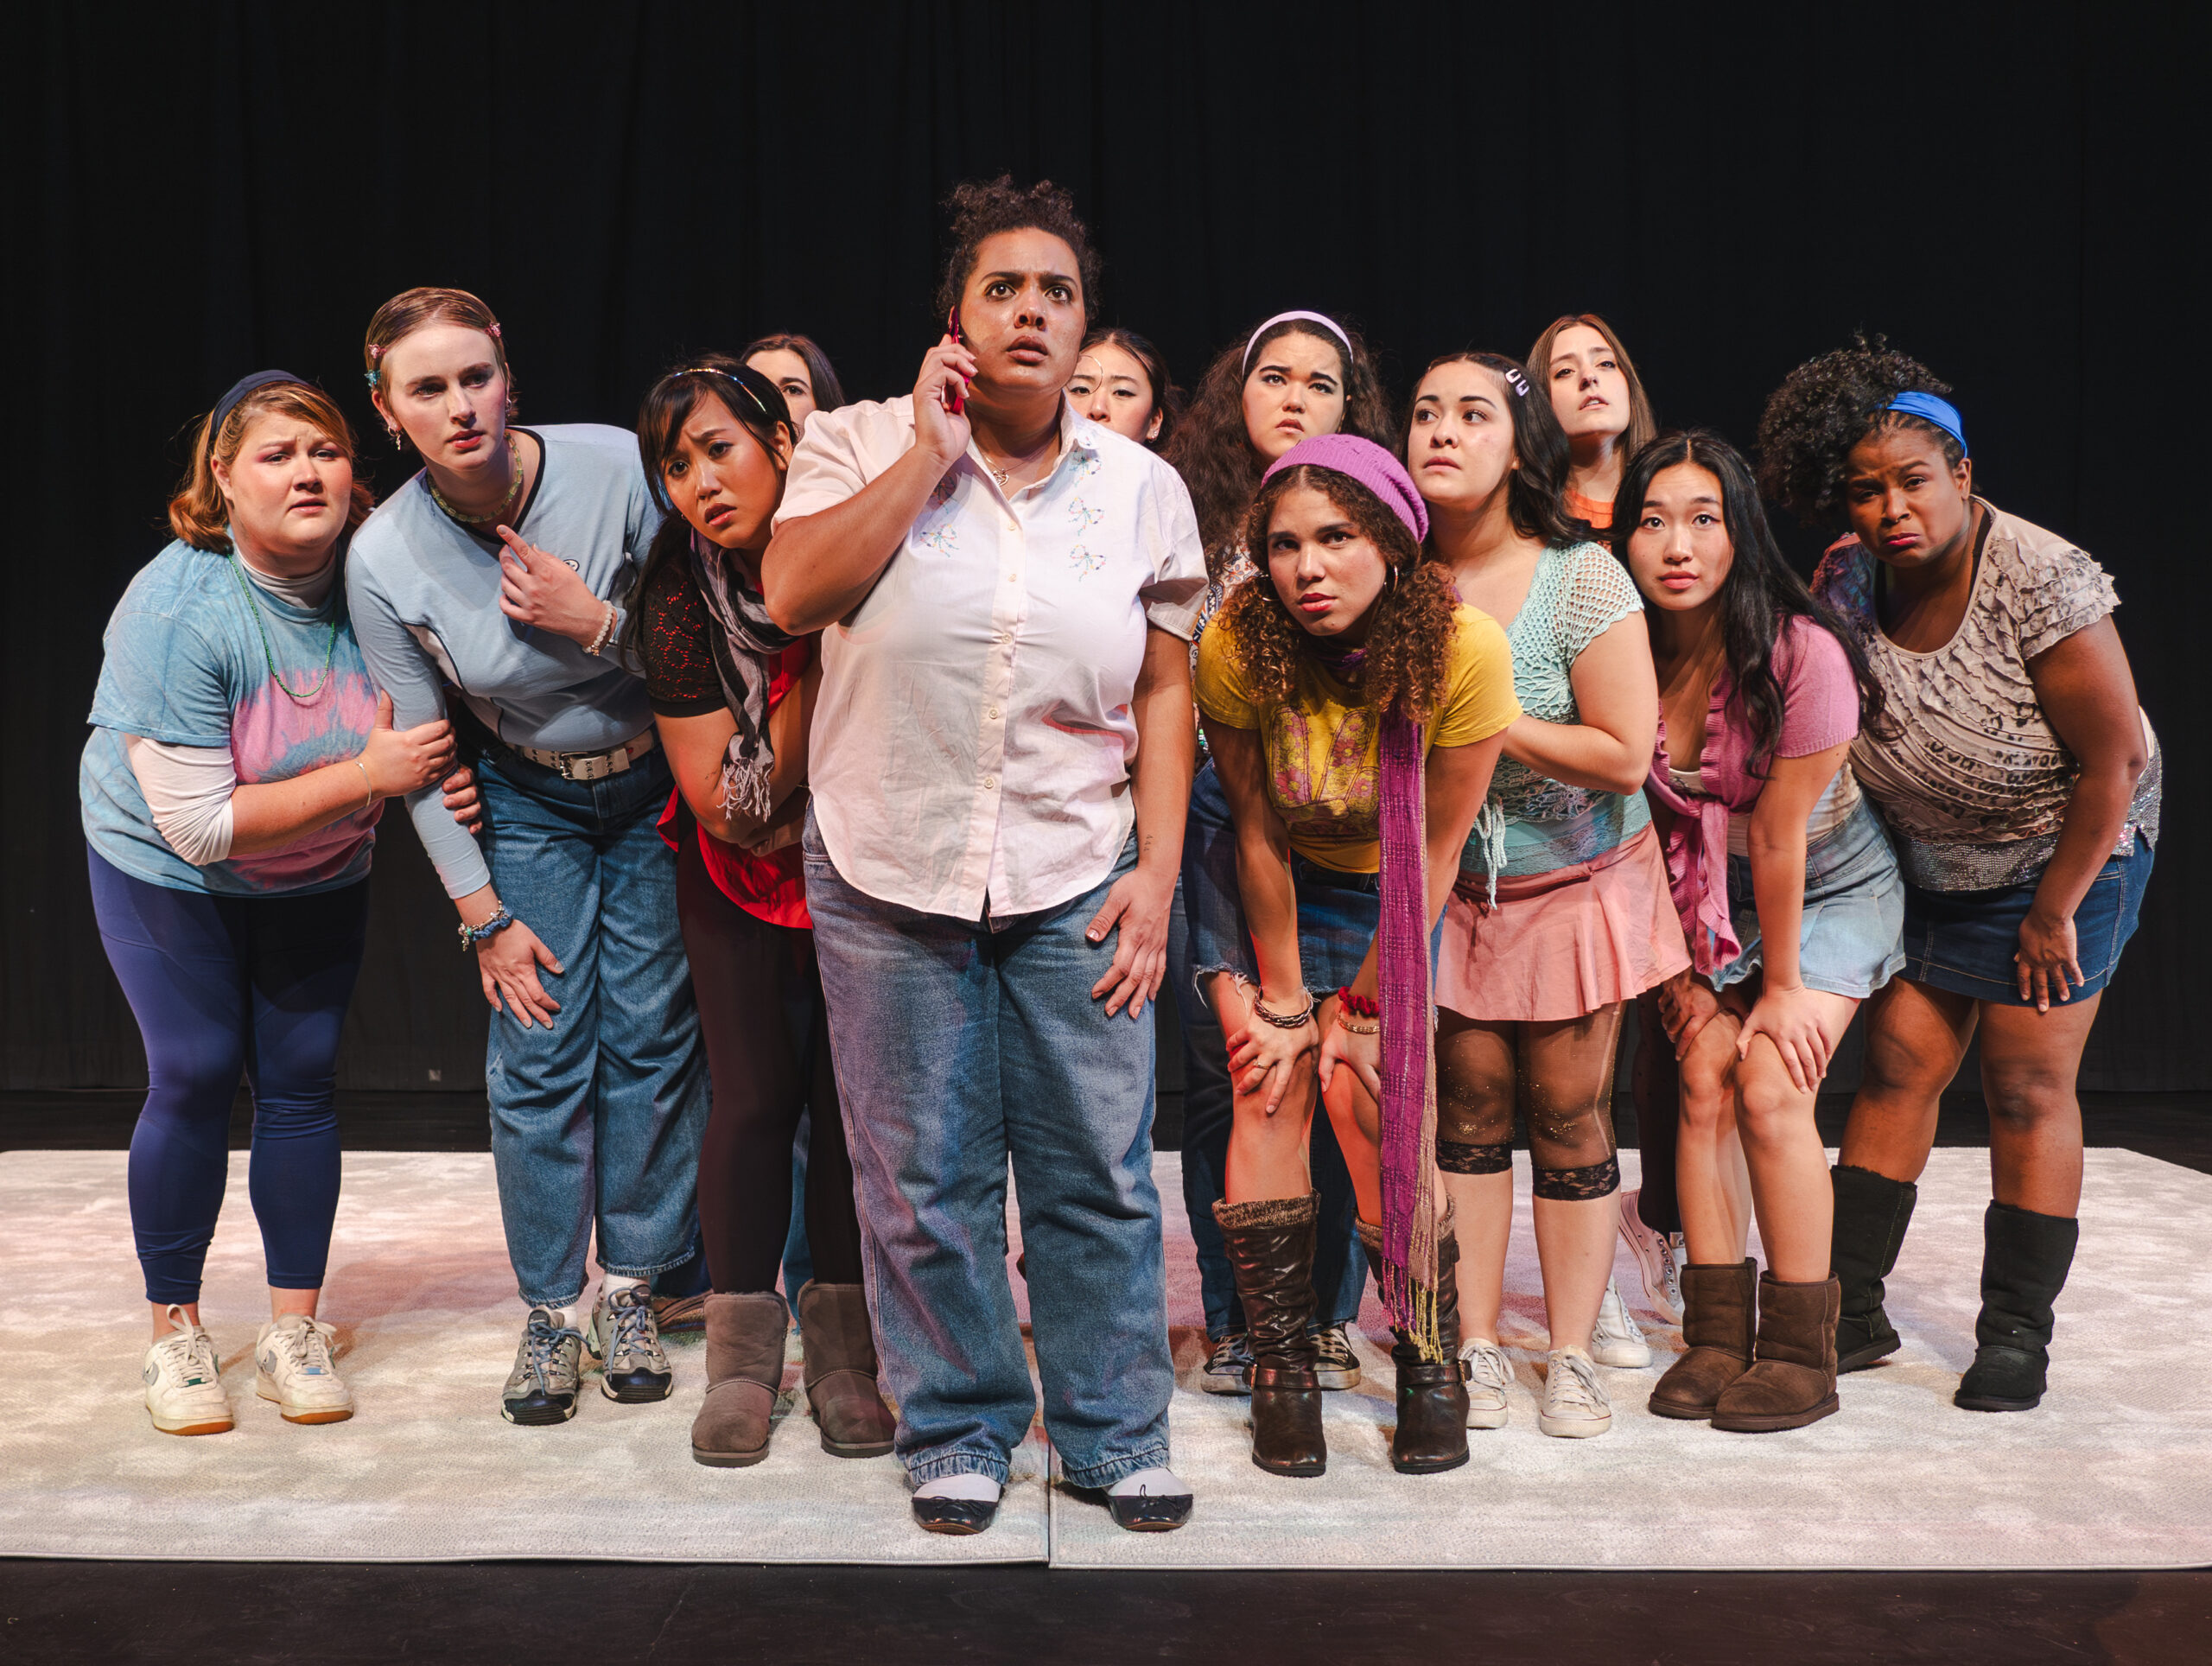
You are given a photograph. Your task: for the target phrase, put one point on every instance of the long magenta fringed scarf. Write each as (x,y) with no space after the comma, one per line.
(1409,1018)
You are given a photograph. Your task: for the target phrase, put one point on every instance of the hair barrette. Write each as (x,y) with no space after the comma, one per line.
(492,330)
(1520,383)
(369,377)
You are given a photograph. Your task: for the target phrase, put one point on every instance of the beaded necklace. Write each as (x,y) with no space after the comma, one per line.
(507,504)
(329,648)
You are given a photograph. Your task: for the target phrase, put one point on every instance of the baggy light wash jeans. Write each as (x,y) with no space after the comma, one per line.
(960,1045)
(596,1121)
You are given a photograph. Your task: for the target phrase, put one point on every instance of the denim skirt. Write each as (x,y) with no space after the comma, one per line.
(1338,913)
(1850,940)
(1964,941)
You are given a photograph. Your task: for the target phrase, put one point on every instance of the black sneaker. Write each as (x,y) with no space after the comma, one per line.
(1334,1362)
(1230,1369)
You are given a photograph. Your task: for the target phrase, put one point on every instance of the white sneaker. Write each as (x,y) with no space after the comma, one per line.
(1657,1260)
(1576,1405)
(184,1381)
(1618,1340)
(293,1363)
(1488,1374)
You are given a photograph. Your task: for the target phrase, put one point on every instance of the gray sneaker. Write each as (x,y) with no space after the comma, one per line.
(626,1339)
(541,1387)
(1334,1362)
(1228,1371)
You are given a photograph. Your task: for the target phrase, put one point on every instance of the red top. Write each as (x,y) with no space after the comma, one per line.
(681,681)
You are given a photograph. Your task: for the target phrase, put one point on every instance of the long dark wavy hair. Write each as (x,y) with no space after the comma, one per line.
(1760,593)
(1828,405)
(1409,639)
(668,405)
(1535,493)
(1213,454)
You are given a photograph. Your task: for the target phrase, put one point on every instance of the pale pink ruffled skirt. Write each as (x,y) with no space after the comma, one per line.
(1562,945)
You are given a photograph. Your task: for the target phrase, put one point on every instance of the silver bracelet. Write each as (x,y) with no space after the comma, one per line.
(606,632)
(1281,1021)
(367,783)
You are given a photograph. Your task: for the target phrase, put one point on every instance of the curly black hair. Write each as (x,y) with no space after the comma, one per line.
(980,209)
(1828,405)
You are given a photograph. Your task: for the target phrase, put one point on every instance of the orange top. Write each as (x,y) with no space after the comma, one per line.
(1598,514)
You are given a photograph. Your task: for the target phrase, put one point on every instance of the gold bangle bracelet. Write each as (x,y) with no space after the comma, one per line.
(1374,1028)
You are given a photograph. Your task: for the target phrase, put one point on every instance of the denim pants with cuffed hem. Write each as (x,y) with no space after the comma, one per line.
(595,1122)
(960,1046)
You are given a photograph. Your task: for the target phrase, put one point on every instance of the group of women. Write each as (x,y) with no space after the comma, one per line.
(876,764)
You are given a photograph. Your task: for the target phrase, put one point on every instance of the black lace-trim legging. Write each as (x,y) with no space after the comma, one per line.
(1558,1077)
(745,973)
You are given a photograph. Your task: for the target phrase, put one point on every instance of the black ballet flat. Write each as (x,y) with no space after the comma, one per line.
(1147,1512)
(958,1518)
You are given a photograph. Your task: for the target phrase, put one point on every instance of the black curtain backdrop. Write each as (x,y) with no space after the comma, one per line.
(201,190)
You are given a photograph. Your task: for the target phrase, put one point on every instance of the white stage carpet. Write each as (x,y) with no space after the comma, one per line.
(425,1471)
(2114,1470)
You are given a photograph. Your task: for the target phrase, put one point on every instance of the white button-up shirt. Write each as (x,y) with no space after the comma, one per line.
(972,745)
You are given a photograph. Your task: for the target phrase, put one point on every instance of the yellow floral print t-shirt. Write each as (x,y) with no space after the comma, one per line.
(1324,752)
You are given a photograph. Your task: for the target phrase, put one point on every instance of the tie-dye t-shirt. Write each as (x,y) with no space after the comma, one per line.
(185,664)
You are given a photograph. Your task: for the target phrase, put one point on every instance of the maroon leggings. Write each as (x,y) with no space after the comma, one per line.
(768,1036)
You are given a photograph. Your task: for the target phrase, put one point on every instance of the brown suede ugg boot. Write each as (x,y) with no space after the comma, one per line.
(1270,1243)
(840,1371)
(1792,1380)
(745,1370)
(1718,1304)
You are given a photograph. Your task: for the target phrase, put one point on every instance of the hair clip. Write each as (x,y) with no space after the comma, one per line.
(1520,383)
(369,377)
(492,330)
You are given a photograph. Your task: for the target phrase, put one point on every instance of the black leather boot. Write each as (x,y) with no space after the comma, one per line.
(1431,1432)
(1270,1244)
(1871,1212)
(2024,1259)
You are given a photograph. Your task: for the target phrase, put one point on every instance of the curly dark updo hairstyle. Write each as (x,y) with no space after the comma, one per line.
(1828,405)
(982,209)
(1409,638)
(1762,592)
(1213,454)
(1535,493)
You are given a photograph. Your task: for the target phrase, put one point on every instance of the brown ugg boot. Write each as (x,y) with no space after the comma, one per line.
(1718,1308)
(1431,1432)
(1270,1243)
(1792,1380)
(745,1370)
(840,1371)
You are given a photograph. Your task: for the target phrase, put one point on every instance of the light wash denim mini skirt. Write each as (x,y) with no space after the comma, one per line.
(1851,941)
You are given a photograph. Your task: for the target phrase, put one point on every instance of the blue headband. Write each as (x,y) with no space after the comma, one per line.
(1929,409)
(244,385)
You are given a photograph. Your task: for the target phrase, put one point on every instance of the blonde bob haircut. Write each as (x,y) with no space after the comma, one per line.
(199,515)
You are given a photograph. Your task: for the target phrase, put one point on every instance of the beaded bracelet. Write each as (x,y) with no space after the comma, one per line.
(1281,1021)
(1360,1006)
(1349,1028)
(606,632)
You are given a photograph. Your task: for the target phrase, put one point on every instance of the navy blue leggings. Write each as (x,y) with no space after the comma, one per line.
(222,987)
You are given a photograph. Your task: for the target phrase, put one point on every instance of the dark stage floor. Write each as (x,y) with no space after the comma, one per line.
(533,1612)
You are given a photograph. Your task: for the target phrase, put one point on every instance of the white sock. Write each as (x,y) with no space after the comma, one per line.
(1158,1483)
(614,1281)
(966,1484)
(564,1317)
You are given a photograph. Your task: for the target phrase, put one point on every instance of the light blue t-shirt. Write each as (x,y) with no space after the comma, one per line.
(425,592)
(1577,593)
(186,665)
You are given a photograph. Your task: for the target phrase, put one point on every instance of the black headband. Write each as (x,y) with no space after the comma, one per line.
(239,389)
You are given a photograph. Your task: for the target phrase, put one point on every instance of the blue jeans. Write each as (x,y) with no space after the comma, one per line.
(223,985)
(960,1044)
(1209,915)
(597,1120)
